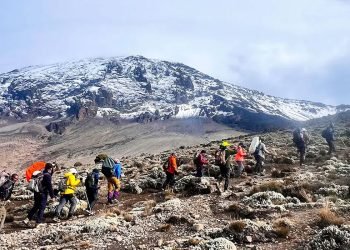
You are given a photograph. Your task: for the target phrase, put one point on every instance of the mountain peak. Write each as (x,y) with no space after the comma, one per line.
(138,88)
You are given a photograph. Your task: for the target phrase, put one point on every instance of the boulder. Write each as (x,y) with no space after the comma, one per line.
(218,244)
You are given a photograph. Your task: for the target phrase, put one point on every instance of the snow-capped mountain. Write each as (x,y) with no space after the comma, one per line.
(143,89)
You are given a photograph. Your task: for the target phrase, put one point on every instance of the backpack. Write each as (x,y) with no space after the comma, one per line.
(257,150)
(5,189)
(3,179)
(220,157)
(35,183)
(297,136)
(90,181)
(62,185)
(327,134)
(196,159)
(108,167)
(117,170)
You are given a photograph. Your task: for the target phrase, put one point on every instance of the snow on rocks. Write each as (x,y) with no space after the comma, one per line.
(331,238)
(217,244)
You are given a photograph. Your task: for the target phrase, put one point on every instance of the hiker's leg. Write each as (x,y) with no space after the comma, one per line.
(227,178)
(172,180)
(94,198)
(36,206)
(73,204)
(302,155)
(60,206)
(43,202)
(240,168)
(333,146)
(199,171)
(110,187)
(167,180)
(329,147)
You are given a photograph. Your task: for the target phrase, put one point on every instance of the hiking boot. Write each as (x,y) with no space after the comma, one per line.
(26,222)
(56,219)
(71,217)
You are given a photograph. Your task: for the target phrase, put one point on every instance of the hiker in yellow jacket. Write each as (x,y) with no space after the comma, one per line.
(71,182)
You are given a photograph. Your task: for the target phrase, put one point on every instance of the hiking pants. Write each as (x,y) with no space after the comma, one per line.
(302,151)
(225,174)
(113,188)
(259,166)
(92,196)
(40,201)
(331,146)
(170,180)
(64,199)
(239,169)
(199,170)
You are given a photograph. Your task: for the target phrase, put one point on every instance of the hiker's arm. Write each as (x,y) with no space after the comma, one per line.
(47,181)
(74,181)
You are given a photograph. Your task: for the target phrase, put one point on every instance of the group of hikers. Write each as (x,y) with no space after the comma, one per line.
(39,175)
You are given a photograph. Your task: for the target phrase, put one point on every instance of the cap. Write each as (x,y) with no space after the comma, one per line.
(73,171)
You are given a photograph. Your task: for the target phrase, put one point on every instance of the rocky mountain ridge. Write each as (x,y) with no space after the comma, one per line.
(140,89)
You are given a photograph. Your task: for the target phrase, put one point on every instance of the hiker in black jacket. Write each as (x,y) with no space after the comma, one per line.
(40,198)
(7,187)
(328,134)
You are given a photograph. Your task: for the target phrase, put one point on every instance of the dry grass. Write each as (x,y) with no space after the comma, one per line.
(237,226)
(268,186)
(193,242)
(85,245)
(128,217)
(164,228)
(234,208)
(327,218)
(149,207)
(169,194)
(282,228)
(276,173)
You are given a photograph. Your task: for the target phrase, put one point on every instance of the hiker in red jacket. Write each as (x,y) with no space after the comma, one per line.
(170,168)
(239,158)
(201,161)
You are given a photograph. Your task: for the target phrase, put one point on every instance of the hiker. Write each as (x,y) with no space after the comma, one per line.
(118,169)
(70,183)
(259,155)
(40,198)
(200,162)
(239,158)
(328,134)
(170,168)
(223,160)
(91,184)
(301,139)
(7,187)
(109,171)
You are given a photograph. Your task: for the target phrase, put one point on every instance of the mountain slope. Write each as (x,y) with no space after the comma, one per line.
(141,89)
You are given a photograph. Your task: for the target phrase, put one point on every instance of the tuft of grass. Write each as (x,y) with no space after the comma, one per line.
(276,173)
(128,217)
(149,207)
(328,218)
(282,228)
(268,186)
(164,228)
(193,242)
(237,226)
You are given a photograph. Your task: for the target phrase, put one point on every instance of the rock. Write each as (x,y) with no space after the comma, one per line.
(331,237)
(218,244)
(198,227)
(249,239)
(160,243)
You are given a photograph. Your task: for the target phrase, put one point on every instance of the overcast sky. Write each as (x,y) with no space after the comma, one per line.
(291,48)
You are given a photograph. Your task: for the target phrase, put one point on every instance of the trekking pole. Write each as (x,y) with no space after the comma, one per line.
(343,142)
(87,199)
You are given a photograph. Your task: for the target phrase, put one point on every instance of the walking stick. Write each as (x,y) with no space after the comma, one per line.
(87,199)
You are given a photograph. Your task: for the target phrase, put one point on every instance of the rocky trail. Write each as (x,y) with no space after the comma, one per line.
(291,207)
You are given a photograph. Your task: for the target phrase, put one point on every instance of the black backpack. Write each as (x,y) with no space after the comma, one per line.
(257,150)
(297,138)
(90,181)
(327,134)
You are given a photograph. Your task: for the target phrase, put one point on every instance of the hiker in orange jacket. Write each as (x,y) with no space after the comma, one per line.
(170,168)
(239,158)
